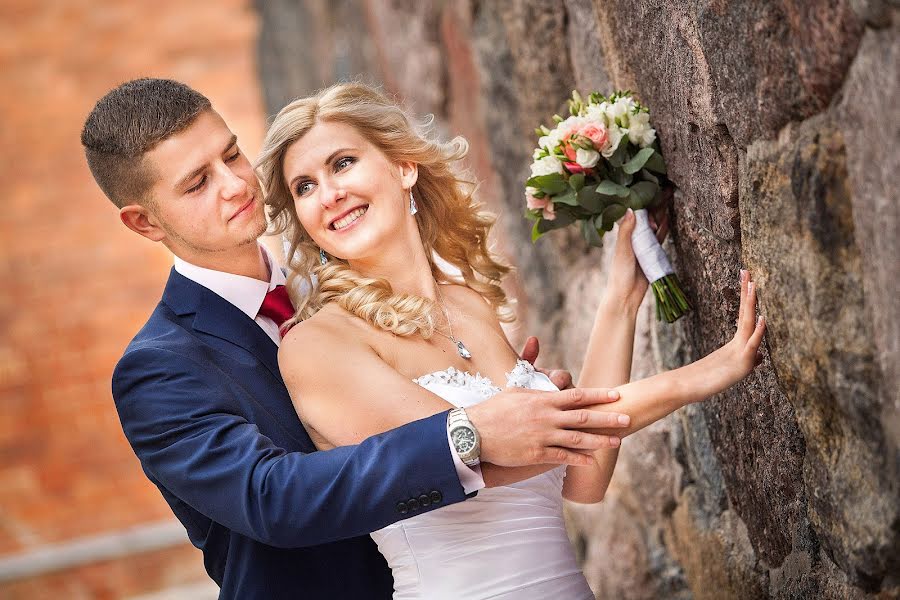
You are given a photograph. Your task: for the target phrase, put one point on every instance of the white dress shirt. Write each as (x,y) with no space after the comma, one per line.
(247,294)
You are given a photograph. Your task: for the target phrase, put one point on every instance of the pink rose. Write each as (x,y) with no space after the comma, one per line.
(533,202)
(549,211)
(596,133)
(574,167)
(543,204)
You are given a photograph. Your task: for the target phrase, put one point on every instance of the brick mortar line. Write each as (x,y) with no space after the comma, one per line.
(91,549)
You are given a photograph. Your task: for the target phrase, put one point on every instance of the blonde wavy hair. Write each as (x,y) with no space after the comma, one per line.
(450,222)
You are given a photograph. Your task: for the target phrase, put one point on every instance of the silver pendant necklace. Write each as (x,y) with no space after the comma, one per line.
(460,347)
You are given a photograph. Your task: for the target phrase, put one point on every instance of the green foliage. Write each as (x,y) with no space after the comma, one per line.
(640,159)
(551,184)
(611,188)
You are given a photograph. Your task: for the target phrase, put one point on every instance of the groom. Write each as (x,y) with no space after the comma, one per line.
(204,406)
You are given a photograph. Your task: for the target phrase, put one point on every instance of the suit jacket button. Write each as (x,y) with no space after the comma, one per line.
(424,500)
(402,508)
(413,504)
(436,497)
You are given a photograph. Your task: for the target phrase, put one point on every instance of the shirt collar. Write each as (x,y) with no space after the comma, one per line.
(245,293)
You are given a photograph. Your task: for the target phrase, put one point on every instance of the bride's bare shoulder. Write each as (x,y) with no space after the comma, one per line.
(332,326)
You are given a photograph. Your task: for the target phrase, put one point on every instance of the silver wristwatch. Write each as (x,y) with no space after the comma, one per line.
(464,436)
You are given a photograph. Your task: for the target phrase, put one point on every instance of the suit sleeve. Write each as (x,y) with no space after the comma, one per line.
(184,426)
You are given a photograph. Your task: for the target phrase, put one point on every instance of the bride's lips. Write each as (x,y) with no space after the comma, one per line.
(243,208)
(331,226)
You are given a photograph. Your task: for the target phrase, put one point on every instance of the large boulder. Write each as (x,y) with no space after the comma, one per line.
(779,124)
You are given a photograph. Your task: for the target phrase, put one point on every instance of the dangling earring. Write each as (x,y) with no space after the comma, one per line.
(323,260)
(413,209)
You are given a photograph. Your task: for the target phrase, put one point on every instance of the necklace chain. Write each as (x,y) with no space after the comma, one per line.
(460,346)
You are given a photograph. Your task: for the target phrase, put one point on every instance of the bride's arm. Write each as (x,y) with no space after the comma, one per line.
(607,361)
(648,400)
(607,364)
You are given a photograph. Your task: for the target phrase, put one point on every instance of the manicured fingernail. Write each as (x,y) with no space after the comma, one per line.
(614,442)
(750,287)
(624,419)
(612,394)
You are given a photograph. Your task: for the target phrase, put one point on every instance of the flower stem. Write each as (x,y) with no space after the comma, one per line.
(671,303)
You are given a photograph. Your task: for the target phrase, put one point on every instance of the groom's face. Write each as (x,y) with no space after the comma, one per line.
(205,200)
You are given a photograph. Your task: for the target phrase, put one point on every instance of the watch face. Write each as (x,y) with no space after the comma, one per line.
(463,439)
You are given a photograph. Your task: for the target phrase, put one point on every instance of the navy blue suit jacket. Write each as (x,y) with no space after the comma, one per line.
(204,406)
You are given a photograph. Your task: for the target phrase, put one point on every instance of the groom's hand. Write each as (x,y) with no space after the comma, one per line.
(521,427)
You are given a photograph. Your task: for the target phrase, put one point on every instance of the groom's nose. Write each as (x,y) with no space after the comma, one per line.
(233,186)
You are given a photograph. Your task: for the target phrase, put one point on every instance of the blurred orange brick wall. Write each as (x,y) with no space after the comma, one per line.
(76,284)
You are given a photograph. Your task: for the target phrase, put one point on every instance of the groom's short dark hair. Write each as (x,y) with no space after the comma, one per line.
(128,122)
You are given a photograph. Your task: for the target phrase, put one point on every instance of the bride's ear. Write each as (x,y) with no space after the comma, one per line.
(409,174)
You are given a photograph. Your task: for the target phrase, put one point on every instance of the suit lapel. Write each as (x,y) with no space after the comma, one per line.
(217,317)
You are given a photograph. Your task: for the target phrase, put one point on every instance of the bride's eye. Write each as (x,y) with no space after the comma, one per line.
(304,188)
(343,163)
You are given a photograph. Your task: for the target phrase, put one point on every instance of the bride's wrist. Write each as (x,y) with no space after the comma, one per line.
(621,304)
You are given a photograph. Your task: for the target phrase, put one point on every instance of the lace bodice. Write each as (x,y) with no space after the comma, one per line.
(506,543)
(521,376)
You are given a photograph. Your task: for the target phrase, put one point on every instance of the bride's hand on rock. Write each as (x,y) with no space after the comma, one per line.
(741,354)
(627,284)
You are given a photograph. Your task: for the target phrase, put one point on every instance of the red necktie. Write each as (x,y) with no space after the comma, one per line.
(277,306)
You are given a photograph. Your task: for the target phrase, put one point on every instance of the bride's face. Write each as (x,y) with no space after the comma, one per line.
(349,197)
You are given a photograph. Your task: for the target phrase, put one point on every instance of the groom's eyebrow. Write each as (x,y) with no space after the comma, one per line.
(187,178)
(325,162)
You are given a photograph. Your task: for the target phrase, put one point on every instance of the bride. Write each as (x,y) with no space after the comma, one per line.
(367,203)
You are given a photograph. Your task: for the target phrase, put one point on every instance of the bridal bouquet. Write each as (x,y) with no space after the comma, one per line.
(591,168)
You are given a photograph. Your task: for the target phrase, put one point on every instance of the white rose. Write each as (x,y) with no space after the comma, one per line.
(615,136)
(640,132)
(531,191)
(587,158)
(546,166)
(620,109)
(595,113)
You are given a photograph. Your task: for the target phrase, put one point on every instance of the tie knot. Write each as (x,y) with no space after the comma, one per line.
(277,306)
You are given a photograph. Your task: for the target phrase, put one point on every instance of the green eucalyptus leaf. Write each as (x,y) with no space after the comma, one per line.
(610,215)
(656,163)
(611,188)
(591,200)
(567,198)
(621,177)
(618,157)
(576,182)
(535,232)
(645,191)
(552,184)
(648,176)
(637,163)
(590,233)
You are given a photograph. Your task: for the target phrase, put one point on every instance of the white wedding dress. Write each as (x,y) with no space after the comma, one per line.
(506,543)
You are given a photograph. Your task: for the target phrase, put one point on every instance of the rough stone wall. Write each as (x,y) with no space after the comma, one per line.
(779,123)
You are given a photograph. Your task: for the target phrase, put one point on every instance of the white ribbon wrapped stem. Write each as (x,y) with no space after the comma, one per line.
(650,255)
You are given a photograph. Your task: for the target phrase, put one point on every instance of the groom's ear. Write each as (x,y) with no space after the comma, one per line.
(139,219)
(409,174)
